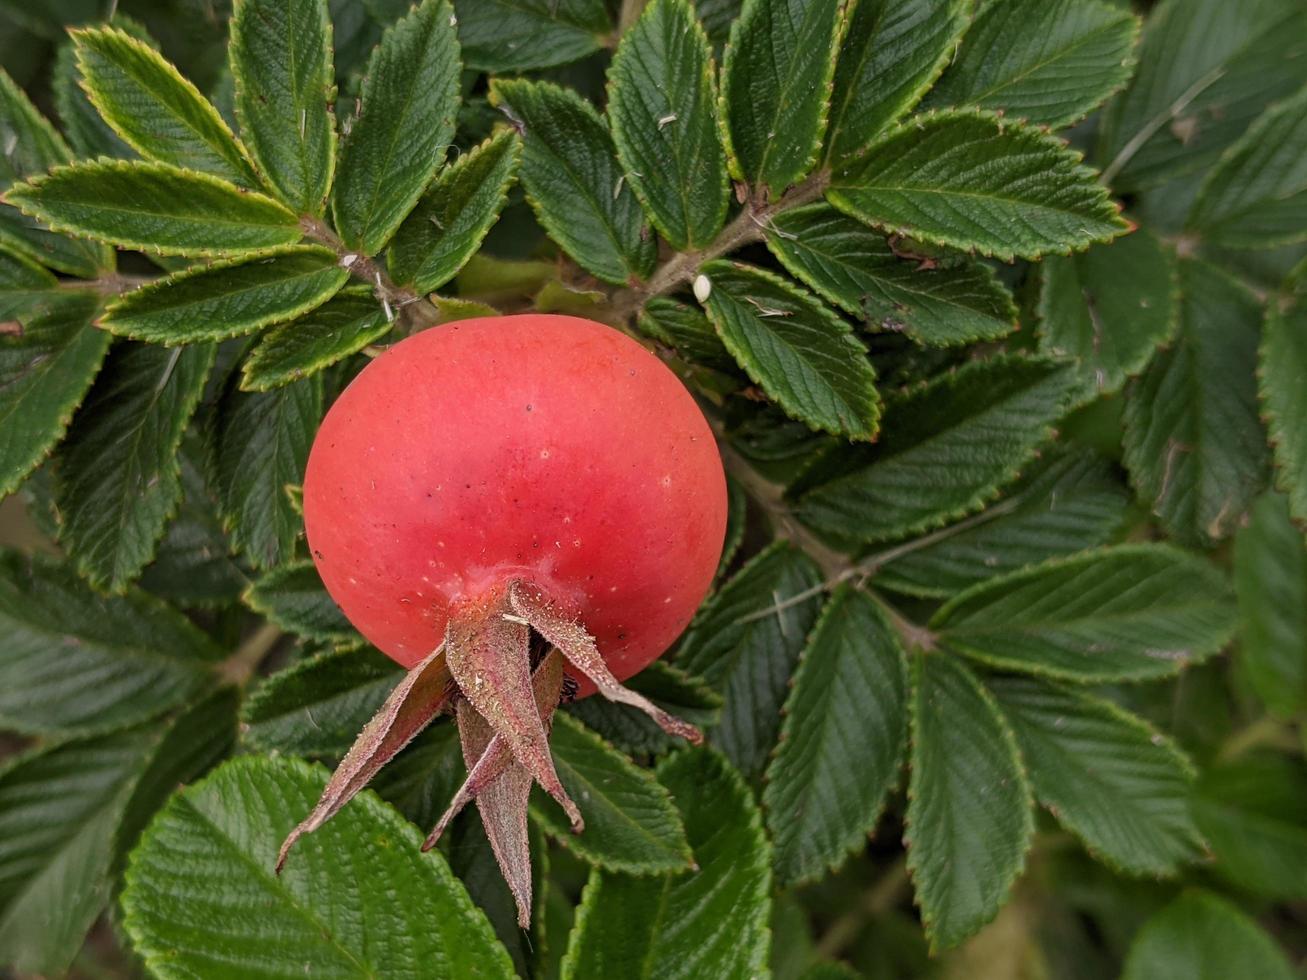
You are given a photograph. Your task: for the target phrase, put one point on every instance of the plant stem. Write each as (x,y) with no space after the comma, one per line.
(1264,732)
(241,665)
(631,11)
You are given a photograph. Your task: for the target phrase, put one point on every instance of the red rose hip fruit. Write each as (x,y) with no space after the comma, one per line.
(492,481)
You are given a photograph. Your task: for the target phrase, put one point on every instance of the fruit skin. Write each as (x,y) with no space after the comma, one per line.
(539,447)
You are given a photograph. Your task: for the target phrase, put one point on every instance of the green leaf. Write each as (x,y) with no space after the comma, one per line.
(118,476)
(1256,197)
(801,353)
(1282,365)
(670,688)
(940,305)
(77,662)
(342,326)
(717,17)
(293,597)
(1270,577)
(1194,444)
(1107,775)
(945,450)
(450,222)
(1202,937)
(44,372)
(892,52)
(630,822)
(710,922)
(1253,815)
(974,181)
(776,86)
(841,745)
(261,446)
(662,108)
(155,208)
(157,112)
(317,707)
(574,182)
(397,138)
(1074,502)
(87,131)
(1049,63)
(25,290)
(281,63)
(1109,308)
(745,642)
(1133,612)
(1202,78)
(686,329)
(337,905)
(518,35)
(227,299)
(32,146)
(969,819)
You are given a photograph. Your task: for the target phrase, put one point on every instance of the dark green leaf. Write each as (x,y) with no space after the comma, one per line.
(336,905)
(318,706)
(745,642)
(44,372)
(32,146)
(1108,776)
(630,822)
(118,473)
(841,745)
(293,597)
(74,661)
(227,299)
(1282,366)
(397,138)
(450,222)
(156,208)
(261,446)
(938,304)
(517,35)
(342,326)
(686,330)
(800,352)
(574,182)
(776,87)
(1270,577)
(26,289)
(1202,937)
(87,131)
(662,107)
(672,689)
(969,820)
(281,63)
(971,180)
(709,922)
(1133,612)
(946,449)
(1073,503)
(1050,62)
(1202,79)
(1253,814)
(1194,444)
(1109,308)
(156,111)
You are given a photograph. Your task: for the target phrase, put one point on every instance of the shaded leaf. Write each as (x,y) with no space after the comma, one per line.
(1194,445)
(1133,612)
(686,330)
(86,129)
(281,64)
(662,109)
(74,661)
(946,448)
(841,745)
(574,182)
(711,921)
(397,138)
(1202,937)
(974,181)
(938,304)
(333,906)
(293,597)
(969,819)
(776,85)
(227,299)
(344,325)
(1282,377)
(1109,777)
(517,35)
